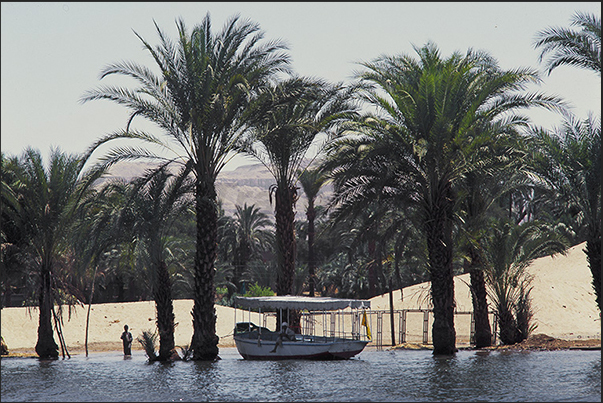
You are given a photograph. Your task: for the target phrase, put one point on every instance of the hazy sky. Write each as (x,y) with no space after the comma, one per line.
(53,52)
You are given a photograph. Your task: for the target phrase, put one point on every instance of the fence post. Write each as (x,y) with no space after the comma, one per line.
(391,313)
(495,329)
(472,329)
(402,336)
(332,324)
(379,330)
(425,326)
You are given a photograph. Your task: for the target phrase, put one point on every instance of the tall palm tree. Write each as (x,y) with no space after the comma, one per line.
(155,201)
(568,160)
(207,81)
(311,180)
(580,48)
(97,233)
(363,192)
(432,113)
(574,167)
(287,119)
(47,196)
(504,168)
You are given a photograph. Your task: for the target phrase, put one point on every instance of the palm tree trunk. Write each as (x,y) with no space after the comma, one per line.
(483,331)
(372,248)
(204,343)
(285,238)
(242,255)
(593,256)
(442,292)
(89,306)
(311,215)
(59,327)
(507,325)
(285,234)
(46,347)
(438,225)
(165,312)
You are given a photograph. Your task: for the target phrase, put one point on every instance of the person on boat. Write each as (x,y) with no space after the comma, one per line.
(127,338)
(286,333)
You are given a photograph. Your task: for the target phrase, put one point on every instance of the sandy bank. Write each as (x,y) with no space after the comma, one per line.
(562,297)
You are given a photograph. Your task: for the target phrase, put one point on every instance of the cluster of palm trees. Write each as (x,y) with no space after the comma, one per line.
(434,172)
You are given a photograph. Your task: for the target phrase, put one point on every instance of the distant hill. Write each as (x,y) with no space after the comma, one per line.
(246,184)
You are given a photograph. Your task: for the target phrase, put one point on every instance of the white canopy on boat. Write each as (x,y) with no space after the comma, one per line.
(301,302)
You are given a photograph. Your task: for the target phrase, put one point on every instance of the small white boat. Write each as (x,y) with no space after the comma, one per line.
(330,328)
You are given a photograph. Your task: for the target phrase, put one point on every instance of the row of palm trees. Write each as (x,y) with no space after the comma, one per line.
(434,170)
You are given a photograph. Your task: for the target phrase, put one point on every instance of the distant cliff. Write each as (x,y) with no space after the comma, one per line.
(245,184)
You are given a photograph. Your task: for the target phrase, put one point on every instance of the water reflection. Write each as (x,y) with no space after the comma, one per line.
(284,380)
(371,376)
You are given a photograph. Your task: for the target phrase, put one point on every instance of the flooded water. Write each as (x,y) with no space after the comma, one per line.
(402,375)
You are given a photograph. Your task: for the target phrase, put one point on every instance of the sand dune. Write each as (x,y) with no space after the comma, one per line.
(563,299)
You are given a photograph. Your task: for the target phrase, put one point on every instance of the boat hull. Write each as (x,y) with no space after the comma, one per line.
(338,349)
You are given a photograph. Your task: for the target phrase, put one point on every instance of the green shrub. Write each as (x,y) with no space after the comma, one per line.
(148,340)
(256,290)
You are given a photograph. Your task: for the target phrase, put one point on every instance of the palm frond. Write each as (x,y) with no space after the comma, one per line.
(147,340)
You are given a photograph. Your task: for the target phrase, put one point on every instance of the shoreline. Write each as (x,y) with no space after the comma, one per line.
(538,342)
(562,297)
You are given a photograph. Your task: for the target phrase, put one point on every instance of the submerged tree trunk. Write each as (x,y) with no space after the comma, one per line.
(507,326)
(204,343)
(479,298)
(438,226)
(46,347)
(483,331)
(165,313)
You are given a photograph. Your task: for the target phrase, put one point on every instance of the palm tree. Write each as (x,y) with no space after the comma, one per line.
(504,169)
(508,251)
(571,47)
(252,236)
(47,198)
(311,180)
(572,159)
(155,201)
(207,80)
(97,234)
(363,193)
(432,113)
(14,270)
(568,161)
(287,119)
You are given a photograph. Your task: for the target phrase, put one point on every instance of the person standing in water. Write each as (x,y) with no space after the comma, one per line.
(127,338)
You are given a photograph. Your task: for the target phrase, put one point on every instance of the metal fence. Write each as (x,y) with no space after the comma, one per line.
(413,326)
(405,326)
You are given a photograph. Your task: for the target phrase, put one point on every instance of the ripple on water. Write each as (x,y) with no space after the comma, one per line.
(400,375)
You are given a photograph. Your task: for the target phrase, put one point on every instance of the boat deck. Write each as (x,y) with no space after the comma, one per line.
(272,336)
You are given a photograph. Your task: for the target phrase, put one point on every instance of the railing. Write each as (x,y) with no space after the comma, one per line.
(465,327)
(410,325)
